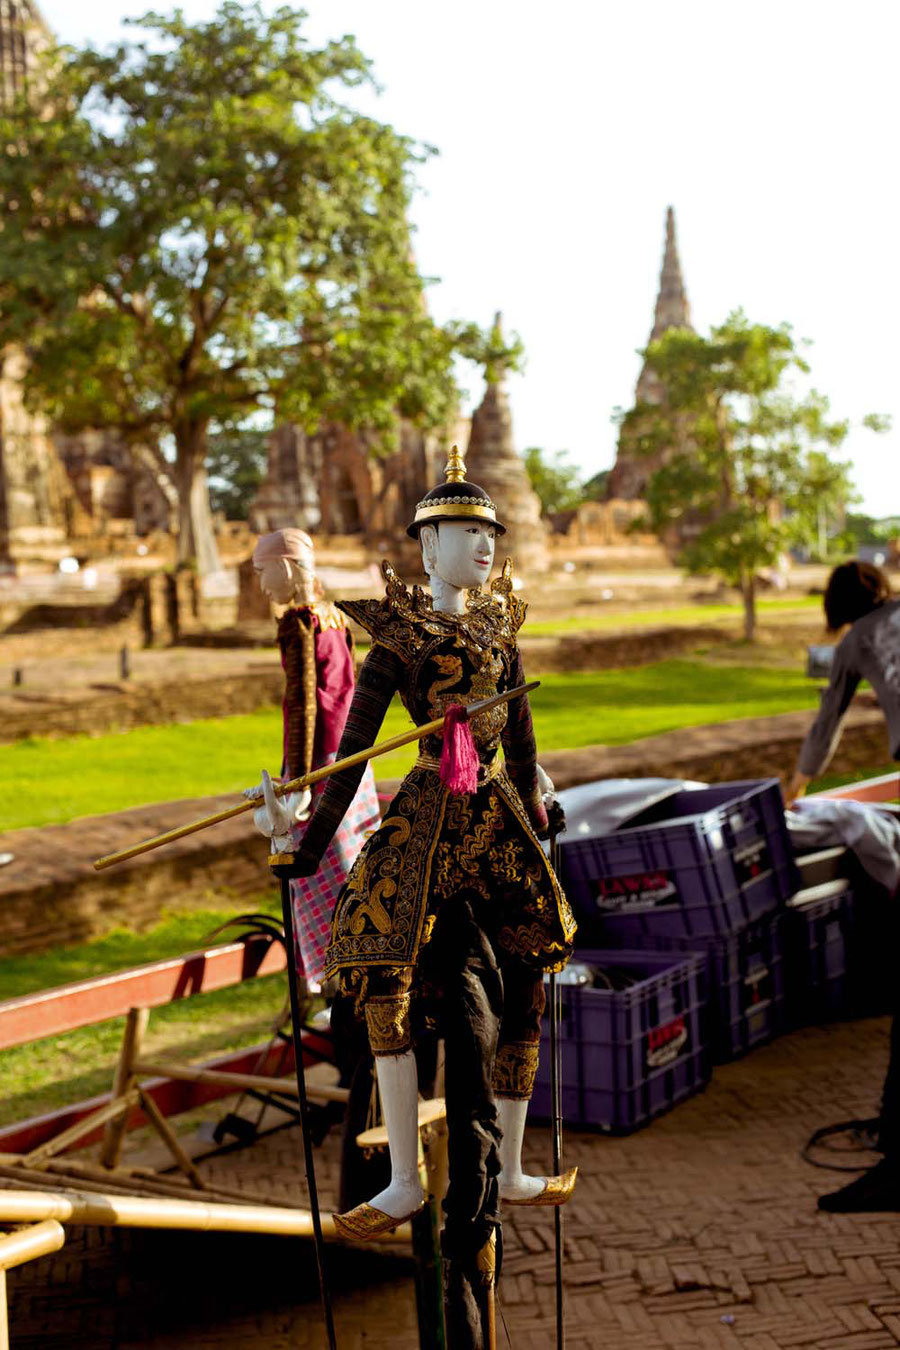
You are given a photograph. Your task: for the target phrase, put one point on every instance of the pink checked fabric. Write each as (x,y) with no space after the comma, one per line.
(313,897)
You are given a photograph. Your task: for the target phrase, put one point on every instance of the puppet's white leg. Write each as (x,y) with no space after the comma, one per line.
(399,1091)
(516,1186)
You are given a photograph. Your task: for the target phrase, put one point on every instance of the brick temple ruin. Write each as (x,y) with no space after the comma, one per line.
(62,493)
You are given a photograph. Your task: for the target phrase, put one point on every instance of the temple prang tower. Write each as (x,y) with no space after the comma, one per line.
(494,464)
(630,473)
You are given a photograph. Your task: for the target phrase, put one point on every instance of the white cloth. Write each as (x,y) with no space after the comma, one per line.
(872,832)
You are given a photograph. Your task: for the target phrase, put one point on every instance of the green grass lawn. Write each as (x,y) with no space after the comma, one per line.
(55,780)
(50,1073)
(594,620)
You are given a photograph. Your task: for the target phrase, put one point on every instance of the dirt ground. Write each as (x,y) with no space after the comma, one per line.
(698,1231)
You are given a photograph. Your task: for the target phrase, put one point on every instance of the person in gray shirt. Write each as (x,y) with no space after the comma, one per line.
(859,595)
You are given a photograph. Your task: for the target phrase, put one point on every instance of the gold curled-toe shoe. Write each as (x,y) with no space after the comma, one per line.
(365,1223)
(557,1190)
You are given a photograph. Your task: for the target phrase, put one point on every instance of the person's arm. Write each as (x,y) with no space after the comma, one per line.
(823,736)
(378,680)
(796,788)
(520,751)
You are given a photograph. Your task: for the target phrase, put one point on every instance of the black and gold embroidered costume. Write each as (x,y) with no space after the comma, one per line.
(432,844)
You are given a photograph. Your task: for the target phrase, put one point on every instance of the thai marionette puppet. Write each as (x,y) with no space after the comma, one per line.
(317,658)
(452,902)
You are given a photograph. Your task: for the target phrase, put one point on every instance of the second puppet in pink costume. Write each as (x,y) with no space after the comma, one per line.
(317,658)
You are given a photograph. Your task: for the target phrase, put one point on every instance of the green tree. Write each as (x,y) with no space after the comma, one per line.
(738,456)
(196,228)
(555,481)
(861,529)
(828,491)
(235,465)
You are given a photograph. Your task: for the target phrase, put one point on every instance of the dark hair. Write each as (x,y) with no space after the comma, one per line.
(854,589)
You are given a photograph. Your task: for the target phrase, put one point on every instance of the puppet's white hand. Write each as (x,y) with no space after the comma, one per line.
(545,785)
(276,817)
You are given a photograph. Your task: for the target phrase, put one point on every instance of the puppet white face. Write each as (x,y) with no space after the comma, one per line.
(459,552)
(283,581)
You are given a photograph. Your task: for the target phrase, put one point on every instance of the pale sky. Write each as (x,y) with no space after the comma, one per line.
(565,129)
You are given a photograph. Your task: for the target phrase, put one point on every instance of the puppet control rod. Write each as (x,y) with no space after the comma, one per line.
(297,784)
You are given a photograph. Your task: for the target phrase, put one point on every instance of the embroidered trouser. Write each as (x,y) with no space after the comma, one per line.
(385,999)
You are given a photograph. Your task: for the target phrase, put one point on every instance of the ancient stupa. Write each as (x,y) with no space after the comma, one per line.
(33,487)
(492,463)
(629,475)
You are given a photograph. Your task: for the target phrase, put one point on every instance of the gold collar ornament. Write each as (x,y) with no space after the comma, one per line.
(455,499)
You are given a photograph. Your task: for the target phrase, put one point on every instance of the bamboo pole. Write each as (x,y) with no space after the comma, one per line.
(170,1139)
(132,1040)
(17,1248)
(124,1181)
(130,1179)
(284,1087)
(317,776)
(59,1142)
(115,1211)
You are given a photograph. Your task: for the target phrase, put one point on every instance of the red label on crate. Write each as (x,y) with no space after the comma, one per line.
(666,1043)
(751,862)
(644,890)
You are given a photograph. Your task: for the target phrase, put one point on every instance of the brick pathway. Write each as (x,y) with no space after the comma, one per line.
(699,1231)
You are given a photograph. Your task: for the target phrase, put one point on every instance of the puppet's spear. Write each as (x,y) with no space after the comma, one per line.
(297,784)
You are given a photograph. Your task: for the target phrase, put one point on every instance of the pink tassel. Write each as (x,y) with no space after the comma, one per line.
(459,758)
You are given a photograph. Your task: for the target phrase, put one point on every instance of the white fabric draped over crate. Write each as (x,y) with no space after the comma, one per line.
(871,832)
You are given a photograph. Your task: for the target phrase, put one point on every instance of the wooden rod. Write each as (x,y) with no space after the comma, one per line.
(81,1127)
(120,1211)
(17,1248)
(317,776)
(127,1180)
(170,1139)
(132,1041)
(241,1082)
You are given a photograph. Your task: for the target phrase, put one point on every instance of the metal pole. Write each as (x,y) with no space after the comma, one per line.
(288,919)
(556,1108)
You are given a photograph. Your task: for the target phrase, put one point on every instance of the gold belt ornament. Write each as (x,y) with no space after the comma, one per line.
(486,772)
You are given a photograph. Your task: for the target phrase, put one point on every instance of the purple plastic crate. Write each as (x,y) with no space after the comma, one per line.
(818,935)
(626,1055)
(703,863)
(742,985)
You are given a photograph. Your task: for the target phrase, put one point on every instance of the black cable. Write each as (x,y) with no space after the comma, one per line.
(854,1127)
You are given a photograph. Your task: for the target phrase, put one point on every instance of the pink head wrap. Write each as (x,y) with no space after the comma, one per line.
(290,543)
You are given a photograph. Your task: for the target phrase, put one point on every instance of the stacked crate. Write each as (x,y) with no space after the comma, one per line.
(841,937)
(705,870)
(631,1040)
(818,943)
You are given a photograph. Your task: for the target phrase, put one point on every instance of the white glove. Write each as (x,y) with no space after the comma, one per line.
(278,815)
(545,785)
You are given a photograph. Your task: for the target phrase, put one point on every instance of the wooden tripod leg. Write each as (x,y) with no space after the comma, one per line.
(170,1139)
(135,1027)
(116,1109)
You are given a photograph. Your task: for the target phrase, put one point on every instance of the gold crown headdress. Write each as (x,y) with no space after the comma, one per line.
(454,499)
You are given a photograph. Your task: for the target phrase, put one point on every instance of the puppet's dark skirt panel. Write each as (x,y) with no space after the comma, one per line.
(430,846)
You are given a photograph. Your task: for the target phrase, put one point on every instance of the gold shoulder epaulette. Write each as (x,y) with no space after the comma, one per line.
(328,615)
